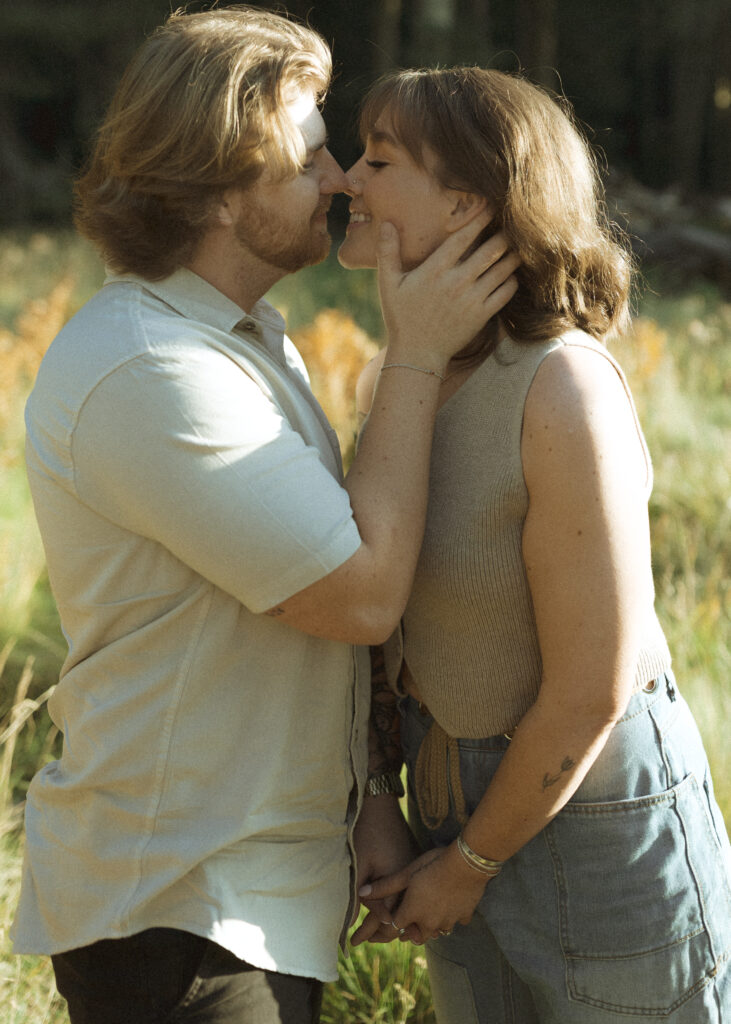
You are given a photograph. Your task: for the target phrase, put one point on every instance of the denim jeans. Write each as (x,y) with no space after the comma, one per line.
(167,976)
(619,910)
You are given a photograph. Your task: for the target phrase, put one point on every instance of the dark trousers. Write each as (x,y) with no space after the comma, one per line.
(166,976)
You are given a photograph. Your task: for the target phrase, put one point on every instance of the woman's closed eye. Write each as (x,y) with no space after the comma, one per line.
(376,164)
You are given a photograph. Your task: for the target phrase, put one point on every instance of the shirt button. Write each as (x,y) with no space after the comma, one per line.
(248,324)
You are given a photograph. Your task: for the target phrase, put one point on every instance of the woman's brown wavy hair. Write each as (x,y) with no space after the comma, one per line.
(501,137)
(198,110)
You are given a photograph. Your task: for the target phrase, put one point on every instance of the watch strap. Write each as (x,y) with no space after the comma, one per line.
(381,783)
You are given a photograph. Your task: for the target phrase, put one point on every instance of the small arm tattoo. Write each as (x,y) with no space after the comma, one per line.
(274,612)
(566,765)
(384,735)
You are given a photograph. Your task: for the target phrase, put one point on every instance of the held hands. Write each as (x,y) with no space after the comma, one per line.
(434,310)
(384,845)
(438,891)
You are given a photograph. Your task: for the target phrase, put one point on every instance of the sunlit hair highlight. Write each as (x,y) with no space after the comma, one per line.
(199,109)
(501,137)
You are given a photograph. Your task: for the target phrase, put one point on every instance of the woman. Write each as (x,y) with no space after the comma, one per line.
(577,869)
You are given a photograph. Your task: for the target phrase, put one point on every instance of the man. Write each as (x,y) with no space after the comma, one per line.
(190,856)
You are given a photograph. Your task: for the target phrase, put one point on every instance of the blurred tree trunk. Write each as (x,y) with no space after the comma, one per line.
(698,38)
(651,137)
(537,39)
(718,159)
(387,28)
(472,34)
(446,32)
(432,28)
(679,60)
(696,31)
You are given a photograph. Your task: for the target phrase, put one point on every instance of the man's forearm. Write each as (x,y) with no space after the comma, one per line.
(384,731)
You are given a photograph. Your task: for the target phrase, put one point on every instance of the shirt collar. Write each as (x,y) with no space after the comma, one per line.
(196,299)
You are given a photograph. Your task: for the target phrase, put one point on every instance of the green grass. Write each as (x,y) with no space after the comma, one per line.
(27,992)
(679,365)
(328,286)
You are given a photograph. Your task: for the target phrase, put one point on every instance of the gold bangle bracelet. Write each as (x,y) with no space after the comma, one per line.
(484,865)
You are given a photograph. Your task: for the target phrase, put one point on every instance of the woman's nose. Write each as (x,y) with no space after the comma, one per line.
(355,184)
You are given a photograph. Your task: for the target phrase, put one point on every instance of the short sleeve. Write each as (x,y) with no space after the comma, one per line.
(188,451)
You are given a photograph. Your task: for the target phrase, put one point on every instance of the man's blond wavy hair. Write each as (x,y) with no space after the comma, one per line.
(501,137)
(200,108)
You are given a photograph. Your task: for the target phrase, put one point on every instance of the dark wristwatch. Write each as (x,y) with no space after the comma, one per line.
(384,782)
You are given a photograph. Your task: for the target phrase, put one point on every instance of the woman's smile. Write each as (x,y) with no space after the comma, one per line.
(387,185)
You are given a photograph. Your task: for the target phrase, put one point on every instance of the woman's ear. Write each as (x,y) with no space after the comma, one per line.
(465,206)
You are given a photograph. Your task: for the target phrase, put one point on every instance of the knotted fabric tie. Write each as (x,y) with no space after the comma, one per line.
(436,769)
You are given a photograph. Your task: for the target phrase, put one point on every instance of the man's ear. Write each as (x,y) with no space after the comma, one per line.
(224,210)
(465,206)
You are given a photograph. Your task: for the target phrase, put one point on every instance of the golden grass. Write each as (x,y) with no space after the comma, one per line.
(335,350)
(680,372)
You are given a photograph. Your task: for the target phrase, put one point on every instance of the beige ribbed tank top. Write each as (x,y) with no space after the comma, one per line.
(469,634)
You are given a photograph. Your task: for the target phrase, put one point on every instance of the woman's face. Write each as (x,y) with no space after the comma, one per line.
(386,184)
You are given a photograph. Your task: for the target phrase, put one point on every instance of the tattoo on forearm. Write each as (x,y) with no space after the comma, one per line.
(274,612)
(384,735)
(566,765)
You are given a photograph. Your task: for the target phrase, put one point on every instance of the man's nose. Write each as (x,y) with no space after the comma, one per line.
(333,178)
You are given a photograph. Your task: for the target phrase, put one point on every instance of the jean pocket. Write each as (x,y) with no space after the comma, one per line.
(452,994)
(639,887)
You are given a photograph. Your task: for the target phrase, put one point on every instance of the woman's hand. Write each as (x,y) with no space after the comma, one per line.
(439,890)
(433,311)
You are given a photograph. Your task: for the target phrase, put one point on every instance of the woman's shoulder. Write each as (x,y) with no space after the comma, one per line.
(580,396)
(571,359)
(512,349)
(576,373)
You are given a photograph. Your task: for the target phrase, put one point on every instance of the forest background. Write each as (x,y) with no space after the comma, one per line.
(651,82)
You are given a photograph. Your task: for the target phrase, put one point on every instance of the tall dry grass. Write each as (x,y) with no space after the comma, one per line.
(678,360)
(679,364)
(21,553)
(335,350)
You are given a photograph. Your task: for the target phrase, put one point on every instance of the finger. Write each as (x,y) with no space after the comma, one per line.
(388,250)
(495,252)
(485,279)
(381,888)
(413,934)
(497,299)
(452,250)
(369,926)
(384,935)
(382,908)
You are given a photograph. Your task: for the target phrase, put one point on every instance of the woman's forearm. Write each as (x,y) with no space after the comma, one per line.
(548,758)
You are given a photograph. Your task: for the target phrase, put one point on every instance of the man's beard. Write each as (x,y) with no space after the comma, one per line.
(277,245)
